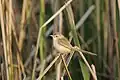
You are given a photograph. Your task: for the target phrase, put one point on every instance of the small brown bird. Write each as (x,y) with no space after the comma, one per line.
(62,45)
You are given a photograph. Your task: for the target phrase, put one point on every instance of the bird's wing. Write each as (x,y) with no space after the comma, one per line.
(64,42)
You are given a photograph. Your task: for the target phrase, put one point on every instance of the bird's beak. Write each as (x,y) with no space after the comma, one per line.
(51,36)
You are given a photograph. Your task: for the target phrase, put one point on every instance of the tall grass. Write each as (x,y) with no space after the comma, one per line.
(92,25)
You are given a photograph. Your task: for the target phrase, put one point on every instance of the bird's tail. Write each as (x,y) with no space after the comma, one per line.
(78,49)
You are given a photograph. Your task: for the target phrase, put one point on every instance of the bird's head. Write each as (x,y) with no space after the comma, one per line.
(57,36)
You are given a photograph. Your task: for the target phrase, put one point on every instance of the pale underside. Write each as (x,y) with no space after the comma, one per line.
(62,45)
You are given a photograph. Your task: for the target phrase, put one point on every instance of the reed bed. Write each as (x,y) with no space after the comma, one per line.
(26,50)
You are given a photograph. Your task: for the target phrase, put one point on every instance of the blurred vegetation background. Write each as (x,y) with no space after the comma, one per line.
(26,48)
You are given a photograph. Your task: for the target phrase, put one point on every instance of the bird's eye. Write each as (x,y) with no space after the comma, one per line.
(56,36)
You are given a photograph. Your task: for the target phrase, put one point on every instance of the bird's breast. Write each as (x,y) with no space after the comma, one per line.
(61,48)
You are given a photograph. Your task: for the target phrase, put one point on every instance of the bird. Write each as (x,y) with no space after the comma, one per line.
(62,45)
